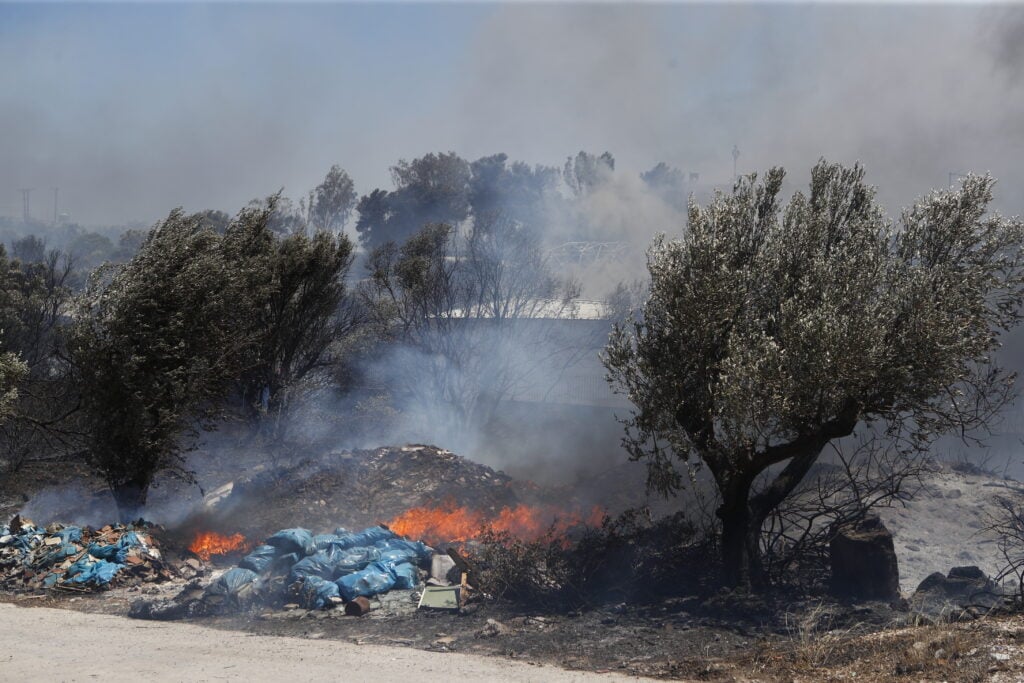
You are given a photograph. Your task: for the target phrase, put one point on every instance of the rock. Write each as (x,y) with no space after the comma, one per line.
(946,596)
(493,628)
(864,564)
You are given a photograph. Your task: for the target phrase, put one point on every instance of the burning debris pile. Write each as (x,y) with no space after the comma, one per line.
(313,571)
(78,558)
(449,523)
(363,488)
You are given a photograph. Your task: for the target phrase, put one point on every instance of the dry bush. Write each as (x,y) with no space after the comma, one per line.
(869,474)
(1008,527)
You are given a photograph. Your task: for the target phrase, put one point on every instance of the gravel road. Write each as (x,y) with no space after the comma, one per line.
(44,644)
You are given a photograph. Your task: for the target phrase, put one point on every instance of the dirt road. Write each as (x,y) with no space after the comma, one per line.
(43,644)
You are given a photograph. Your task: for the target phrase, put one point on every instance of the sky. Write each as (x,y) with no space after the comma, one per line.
(134,109)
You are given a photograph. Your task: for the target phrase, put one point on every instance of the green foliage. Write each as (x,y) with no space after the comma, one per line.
(331,202)
(197,315)
(770,331)
(431,189)
(154,344)
(12,371)
(38,400)
(298,309)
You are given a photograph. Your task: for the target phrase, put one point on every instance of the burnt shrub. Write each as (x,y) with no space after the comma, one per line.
(629,557)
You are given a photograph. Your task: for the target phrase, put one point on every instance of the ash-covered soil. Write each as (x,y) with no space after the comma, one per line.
(727,639)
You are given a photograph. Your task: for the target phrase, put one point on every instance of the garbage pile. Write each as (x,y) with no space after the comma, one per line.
(361,488)
(312,571)
(78,558)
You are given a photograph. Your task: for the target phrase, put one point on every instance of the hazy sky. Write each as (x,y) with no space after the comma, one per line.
(133,109)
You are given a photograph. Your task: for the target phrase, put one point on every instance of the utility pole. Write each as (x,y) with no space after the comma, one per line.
(26,205)
(55,191)
(735,158)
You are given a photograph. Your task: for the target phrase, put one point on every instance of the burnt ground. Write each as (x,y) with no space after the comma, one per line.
(721,638)
(677,639)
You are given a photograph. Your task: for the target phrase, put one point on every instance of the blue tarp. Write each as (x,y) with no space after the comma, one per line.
(116,552)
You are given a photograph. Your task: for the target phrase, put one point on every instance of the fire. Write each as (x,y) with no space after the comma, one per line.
(453,524)
(206,544)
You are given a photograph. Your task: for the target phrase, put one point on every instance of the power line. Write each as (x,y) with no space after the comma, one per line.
(26,203)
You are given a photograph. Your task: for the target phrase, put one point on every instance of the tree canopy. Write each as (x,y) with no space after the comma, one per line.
(769,331)
(159,343)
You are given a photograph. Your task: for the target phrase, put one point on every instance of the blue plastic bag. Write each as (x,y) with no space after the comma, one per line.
(325,541)
(298,541)
(406,576)
(231,582)
(366,537)
(334,563)
(259,559)
(376,578)
(316,593)
(397,556)
(415,549)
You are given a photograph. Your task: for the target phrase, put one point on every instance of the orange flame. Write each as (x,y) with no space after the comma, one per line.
(206,544)
(454,524)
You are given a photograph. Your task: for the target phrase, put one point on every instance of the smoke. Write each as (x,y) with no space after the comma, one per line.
(915,93)
(135,109)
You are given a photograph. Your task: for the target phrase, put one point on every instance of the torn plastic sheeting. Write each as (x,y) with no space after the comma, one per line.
(66,550)
(98,573)
(259,559)
(316,593)
(116,552)
(298,541)
(70,534)
(376,578)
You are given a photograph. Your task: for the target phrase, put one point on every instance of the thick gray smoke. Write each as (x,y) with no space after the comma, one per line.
(134,109)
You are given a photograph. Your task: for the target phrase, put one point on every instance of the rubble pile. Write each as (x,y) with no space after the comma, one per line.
(307,570)
(79,558)
(362,488)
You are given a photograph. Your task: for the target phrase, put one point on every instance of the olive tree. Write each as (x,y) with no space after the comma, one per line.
(771,331)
